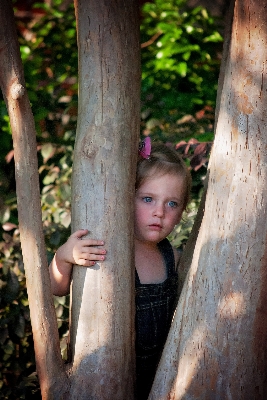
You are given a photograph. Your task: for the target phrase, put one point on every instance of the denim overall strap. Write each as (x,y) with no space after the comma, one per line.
(167,252)
(155,305)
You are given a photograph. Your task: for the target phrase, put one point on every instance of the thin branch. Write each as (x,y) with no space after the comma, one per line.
(152,40)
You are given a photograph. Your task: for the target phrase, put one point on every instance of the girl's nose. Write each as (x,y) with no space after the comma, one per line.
(159,210)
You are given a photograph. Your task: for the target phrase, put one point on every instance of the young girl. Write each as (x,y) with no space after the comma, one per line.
(162,192)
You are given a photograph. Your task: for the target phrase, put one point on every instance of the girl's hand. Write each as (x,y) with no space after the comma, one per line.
(76,250)
(84,252)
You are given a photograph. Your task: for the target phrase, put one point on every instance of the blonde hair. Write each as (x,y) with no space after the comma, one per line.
(163,160)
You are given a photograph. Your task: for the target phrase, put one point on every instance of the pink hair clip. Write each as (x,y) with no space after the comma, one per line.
(145,148)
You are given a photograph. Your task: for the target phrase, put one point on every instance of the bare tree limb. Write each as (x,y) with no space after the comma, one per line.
(152,40)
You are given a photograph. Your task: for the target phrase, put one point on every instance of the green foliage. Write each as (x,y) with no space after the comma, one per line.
(180,65)
(180,235)
(49,54)
(16,342)
(18,378)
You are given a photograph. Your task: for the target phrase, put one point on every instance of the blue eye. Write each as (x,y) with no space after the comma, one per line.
(173,204)
(147,199)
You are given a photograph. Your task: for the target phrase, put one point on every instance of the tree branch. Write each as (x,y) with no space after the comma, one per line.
(152,40)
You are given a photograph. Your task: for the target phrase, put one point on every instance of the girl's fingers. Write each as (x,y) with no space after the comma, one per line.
(93,257)
(85,263)
(89,254)
(87,242)
(93,250)
(92,242)
(89,263)
(80,233)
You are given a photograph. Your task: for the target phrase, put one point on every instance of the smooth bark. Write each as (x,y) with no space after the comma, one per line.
(217,345)
(43,319)
(102,317)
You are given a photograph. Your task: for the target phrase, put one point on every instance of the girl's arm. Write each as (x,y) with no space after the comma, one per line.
(75,251)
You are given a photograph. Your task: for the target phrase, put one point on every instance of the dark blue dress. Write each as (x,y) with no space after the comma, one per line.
(155,305)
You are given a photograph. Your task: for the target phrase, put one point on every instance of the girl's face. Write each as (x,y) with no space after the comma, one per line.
(158,207)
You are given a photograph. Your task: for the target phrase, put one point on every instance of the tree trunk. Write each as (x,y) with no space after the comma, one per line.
(102,316)
(217,345)
(49,364)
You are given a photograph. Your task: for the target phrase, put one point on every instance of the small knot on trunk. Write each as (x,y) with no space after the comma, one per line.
(17,91)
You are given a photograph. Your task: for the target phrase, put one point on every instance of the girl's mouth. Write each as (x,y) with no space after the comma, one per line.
(155,227)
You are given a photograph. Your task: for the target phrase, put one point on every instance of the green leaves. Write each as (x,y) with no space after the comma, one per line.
(180,64)
(16,350)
